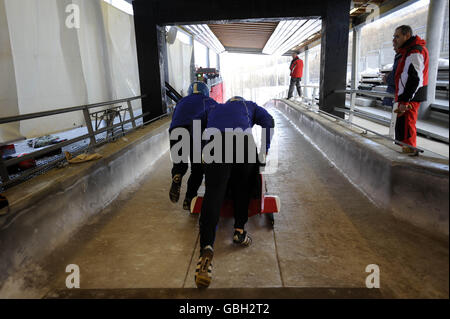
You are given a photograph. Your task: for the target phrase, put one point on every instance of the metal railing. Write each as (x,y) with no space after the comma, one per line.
(313,108)
(92,133)
(313,103)
(311,100)
(377,94)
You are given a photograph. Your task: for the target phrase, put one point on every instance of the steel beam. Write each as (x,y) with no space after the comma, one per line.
(334,52)
(435,23)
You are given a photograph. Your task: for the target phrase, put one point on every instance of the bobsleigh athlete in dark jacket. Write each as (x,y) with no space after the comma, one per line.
(228,129)
(186,109)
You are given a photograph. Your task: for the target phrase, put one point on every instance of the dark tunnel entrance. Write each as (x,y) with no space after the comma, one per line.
(155,15)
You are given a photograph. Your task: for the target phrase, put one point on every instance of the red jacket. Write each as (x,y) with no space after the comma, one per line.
(411,77)
(296,68)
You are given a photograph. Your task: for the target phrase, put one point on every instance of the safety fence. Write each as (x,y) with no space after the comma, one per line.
(118,109)
(312,104)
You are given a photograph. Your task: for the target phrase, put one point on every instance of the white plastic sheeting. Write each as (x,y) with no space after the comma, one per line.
(8,90)
(179,57)
(121,43)
(56,66)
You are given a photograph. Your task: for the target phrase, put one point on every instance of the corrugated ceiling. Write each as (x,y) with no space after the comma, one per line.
(244,35)
(252,37)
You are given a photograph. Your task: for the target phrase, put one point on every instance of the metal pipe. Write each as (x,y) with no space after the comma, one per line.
(88,122)
(373,132)
(366,129)
(311,86)
(66,143)
(52,163)
(30,116)
(355,73)
(363,115)
(368,93)
(130,110)
(435,23)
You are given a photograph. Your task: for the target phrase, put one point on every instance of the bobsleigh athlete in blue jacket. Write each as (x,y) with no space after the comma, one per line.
(231,167)
(187,108)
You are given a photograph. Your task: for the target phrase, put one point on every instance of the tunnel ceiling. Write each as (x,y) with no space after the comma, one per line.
(244,36)
(275,37)
(271,37)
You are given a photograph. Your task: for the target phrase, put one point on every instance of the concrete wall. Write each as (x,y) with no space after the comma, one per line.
(46,210)
(414,189)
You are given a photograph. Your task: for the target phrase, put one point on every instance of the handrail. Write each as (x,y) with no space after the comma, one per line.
(174,92)
(30,116)
(54,147)
(66,143)
(354,92)
(373,132)
(362,114)
(4,164)
(365,129)
(310,86)
(365,92)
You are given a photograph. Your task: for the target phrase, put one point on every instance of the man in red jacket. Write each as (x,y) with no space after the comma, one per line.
(411,81)
(296,74)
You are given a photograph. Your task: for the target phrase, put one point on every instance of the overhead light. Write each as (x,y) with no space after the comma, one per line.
(353,10)
(290,33)
(204,35)
(302,34)
(281,34)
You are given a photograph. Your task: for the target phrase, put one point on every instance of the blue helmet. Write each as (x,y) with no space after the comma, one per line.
(236,98)
(199,88)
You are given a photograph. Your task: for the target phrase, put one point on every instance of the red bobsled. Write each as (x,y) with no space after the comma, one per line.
(260,203)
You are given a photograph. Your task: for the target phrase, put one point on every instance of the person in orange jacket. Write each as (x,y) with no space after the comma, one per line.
(411,81)
(296,75)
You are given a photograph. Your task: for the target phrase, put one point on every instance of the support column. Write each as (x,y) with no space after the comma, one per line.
(150,42)
(165,55)
(333,71)
(306,73)
(435,23)
(208,63)
(355,70)
(193,78)
(306,67)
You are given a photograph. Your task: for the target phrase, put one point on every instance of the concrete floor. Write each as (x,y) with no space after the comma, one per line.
(324,237)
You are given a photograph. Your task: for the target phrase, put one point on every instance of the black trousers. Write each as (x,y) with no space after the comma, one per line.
(295,82)
(219,176)
(197,172)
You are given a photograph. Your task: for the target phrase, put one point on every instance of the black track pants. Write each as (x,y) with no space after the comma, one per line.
(217,177)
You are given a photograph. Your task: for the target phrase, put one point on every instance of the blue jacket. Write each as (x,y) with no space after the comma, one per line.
(390,81)
(188,107)
(237,114)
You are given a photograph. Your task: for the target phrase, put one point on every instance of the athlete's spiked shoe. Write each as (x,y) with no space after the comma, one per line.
(242,239)
(174,192)
(203,272)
